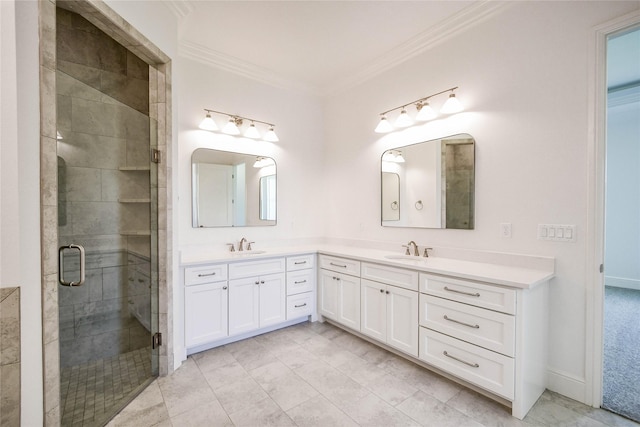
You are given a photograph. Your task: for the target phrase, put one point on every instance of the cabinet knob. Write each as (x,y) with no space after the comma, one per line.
(257,282)
(382,291)
(387,292)
(262,282)
(224,288)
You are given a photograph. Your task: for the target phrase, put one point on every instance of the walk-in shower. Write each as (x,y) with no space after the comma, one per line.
(107,223)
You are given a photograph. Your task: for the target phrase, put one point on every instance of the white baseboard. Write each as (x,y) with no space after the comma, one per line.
(621,282)
(567,385)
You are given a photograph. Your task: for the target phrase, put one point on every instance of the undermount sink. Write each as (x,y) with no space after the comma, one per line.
(404,257)
(248,253)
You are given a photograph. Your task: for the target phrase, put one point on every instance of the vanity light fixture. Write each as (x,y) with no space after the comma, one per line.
(384,126)
(231,128)
(235,123)
(252,132)
(425,112)
(207,123)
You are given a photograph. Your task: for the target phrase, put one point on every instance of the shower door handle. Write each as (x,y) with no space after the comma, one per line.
(61,250)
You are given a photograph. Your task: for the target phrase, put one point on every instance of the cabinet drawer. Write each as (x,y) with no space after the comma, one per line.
(299,305)
(394,276)
(341,265)
(256,268)
(205,274)
(468,292)
(300,262)
(489,329)
(300,281)
(487,369)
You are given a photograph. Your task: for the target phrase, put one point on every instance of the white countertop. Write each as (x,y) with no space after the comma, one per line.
(500,274)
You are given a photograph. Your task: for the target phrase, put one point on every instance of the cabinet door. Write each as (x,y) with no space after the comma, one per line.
(349,301)
(273,299)
(244,308)
(206,313)
(374,310)
(402,320)
(328,295)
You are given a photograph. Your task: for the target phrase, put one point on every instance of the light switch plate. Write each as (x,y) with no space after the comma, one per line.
(557,232)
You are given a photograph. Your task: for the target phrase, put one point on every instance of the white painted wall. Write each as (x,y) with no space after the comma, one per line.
(298,154)
(622,245)
(523,78)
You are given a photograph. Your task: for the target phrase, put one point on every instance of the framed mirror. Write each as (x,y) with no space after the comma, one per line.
(430,184)
(232,189)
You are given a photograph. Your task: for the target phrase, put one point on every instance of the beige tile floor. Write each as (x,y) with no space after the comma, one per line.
(315,374)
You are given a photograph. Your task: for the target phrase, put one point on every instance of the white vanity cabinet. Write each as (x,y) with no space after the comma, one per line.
(489,335)
(389,312)
(256,300)
(206,297)
(339,292)
(301,283)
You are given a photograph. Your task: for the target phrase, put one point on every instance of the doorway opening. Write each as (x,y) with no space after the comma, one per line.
(621,358)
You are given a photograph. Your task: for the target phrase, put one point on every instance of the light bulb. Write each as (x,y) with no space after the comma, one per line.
(271,136)
(452,105)
(425,112)
(383,126)
(231,128)
(403,119)
(399,158)
(208,124)
(252,132)
(259,162)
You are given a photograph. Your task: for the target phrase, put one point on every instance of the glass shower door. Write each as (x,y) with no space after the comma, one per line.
(107,228)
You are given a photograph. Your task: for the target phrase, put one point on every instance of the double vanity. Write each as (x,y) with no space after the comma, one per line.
(481,322)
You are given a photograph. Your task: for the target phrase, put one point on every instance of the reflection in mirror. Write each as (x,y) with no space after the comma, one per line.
(232,189)
(390,196)
(433,183)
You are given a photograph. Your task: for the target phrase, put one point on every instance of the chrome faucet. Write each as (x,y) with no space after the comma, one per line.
(241,244)
(416,252)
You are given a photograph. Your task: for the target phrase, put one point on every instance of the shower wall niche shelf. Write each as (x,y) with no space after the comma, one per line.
(135,233)
(147,200)
(134,168)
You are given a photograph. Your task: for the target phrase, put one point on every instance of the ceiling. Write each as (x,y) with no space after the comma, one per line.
(318,46)
(322,47)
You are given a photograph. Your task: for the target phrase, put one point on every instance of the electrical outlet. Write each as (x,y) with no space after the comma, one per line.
(505,230)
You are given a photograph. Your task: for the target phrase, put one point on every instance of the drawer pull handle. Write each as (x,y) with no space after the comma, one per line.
(461,323)
(462,292)
(300,262)
(301,305)
(473,365)
(205,275)
(301,281)
(337,265)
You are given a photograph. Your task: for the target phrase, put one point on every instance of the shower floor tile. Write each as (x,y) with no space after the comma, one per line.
(90,391)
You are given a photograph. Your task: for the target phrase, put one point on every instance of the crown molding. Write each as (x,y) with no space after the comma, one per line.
(450,27)
(433,36)
(205,55)
(179,8)
(629,95)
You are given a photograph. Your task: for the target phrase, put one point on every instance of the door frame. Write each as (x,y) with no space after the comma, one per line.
(105,18)
(596,156)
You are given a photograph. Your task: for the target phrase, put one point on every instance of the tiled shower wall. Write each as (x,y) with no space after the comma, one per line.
(103,191)
(9,357)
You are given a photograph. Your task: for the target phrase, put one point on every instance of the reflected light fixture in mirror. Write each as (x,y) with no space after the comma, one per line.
(235,122)
(425,112)
(262,162)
